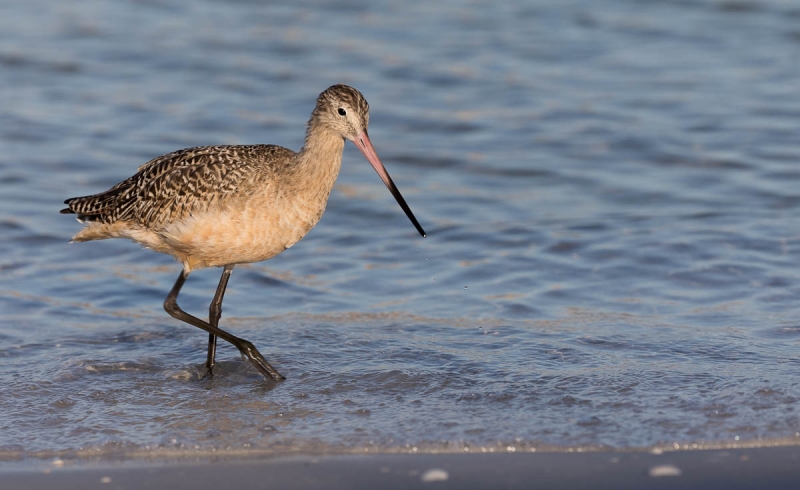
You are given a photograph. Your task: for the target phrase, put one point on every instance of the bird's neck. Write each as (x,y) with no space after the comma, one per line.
(319,161)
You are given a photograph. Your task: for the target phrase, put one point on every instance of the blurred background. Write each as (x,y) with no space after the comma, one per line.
(610,190)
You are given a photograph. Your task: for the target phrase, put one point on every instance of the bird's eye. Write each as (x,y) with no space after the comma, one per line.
(342,112)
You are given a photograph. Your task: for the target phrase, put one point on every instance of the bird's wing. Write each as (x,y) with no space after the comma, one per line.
(175,185)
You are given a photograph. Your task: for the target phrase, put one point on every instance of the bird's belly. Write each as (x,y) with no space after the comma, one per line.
(225,237)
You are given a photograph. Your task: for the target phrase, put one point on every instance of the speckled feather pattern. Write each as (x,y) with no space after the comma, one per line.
(173,186)
(340,95)
(219,205)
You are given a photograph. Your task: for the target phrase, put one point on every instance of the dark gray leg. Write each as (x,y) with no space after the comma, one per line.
(247,349)
(214,314)
(212,353)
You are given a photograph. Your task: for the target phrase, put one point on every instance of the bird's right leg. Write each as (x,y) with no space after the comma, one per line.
(214,314)
(247,349)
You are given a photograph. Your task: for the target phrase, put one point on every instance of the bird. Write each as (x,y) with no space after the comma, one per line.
(219,206)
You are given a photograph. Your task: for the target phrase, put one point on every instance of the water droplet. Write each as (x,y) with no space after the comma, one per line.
(465,287)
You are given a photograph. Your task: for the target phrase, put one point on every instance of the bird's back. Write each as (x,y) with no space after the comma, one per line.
(171,187)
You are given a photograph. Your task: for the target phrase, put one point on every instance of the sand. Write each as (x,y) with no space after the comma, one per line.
(766,468)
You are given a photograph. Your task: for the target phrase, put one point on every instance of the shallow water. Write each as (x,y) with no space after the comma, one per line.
(610,190)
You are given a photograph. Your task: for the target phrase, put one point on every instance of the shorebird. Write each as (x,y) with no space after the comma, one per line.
(218,206)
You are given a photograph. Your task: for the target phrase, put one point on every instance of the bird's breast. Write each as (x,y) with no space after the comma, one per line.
(250,232)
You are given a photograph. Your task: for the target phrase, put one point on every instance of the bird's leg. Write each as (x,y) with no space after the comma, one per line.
(247,349)
(214,314)
(212,353)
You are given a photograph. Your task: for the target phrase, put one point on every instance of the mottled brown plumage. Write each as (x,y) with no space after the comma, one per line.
(217,206)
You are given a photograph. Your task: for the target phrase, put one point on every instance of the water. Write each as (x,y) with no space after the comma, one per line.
(610,190)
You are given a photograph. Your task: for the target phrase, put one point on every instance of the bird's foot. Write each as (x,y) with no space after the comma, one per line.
(250,352)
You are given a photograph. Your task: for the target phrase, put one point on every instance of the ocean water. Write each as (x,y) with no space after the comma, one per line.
(611,191)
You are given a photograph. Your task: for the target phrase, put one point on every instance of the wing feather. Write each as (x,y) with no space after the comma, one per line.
(180,183)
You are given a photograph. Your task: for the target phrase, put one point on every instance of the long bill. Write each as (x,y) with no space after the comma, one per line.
(365,145)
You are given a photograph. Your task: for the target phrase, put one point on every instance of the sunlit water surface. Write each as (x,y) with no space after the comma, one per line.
(611,191)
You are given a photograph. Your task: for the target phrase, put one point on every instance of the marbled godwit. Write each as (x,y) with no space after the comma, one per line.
(218,206)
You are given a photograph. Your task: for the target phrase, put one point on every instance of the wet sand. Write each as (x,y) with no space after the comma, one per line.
(766,468)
